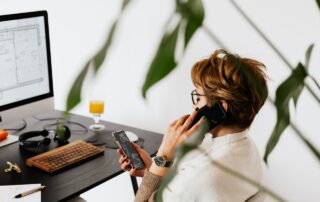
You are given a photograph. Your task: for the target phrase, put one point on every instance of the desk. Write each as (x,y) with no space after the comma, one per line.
(75,180)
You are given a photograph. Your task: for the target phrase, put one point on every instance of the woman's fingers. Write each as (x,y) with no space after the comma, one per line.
(132,171)
(122,159)
(126,165)
(120,152)
(140,151)
(194,128)
(138,148)
(173,123)
(181,120)
(184,136)
(188,122)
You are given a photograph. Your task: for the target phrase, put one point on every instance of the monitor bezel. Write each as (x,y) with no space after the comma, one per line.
(18,16)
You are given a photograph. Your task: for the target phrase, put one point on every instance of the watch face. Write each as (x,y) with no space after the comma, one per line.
(160,161)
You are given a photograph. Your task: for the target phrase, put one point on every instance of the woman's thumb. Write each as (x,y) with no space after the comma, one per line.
(139,150)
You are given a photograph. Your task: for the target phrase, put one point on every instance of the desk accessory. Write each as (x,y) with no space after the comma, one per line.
(8,193)
(61,135)
(30,192)
(12,166)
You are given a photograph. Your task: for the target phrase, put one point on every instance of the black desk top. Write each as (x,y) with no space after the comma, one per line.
(75,180)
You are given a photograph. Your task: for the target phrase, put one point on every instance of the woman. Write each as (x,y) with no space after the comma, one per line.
(239,85)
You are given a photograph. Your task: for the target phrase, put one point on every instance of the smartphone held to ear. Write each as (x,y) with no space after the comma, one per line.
(124,143)
(215,114)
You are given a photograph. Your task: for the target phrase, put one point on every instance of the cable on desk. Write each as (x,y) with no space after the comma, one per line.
(47,127)
(18,129)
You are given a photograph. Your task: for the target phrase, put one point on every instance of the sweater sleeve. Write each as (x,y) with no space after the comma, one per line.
(148,187)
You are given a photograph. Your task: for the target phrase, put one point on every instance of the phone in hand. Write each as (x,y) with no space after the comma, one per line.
(215,114)
(124,143)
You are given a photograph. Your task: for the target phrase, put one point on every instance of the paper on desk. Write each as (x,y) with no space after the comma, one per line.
(9,140)
(7,193)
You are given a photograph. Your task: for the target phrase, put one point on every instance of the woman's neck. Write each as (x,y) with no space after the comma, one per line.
(220,131)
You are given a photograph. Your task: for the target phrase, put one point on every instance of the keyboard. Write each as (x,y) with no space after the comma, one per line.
(64,156)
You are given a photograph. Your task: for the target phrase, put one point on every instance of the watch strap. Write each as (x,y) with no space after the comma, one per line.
(166,164)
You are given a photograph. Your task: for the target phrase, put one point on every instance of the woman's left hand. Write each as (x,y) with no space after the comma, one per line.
(176,133)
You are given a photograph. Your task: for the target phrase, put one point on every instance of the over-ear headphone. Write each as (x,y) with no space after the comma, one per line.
(37,146)
(24,142)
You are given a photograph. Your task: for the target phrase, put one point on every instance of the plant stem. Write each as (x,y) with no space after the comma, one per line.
(213,37)
(274,48)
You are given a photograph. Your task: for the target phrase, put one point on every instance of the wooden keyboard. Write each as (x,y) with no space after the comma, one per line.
(64,156)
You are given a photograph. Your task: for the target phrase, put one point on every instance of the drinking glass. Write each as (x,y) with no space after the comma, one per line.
(96,109)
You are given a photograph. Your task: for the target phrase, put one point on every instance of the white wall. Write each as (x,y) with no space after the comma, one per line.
(78,28)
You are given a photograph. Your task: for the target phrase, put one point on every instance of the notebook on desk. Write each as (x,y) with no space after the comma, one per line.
(7,193)
(9,140)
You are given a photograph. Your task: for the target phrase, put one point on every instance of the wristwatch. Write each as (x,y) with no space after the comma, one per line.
(162,161)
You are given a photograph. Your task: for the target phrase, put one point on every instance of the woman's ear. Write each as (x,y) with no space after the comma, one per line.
(225,105)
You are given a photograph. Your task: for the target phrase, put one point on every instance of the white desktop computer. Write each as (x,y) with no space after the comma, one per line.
(26,86)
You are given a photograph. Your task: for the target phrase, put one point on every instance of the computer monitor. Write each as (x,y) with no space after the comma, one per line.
(25,65)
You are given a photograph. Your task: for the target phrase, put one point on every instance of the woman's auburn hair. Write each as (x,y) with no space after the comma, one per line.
(241,82)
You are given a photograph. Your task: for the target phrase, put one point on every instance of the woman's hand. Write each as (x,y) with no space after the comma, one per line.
(177,132)
(125,162)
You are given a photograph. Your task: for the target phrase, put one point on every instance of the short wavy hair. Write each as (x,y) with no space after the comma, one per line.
(241,82)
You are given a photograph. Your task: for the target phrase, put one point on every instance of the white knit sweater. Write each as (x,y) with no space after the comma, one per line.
(198,180)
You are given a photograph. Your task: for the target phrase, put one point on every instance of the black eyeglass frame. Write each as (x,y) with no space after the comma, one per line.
(195,93)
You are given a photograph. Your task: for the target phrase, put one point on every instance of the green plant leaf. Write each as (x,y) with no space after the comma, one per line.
(318,3)
(101,55)
(290,89)
(74,96)
(163,62)
(308,55)
(275,49)
(296,94)
(192,12)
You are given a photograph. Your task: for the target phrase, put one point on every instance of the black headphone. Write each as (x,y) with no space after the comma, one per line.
(37,146)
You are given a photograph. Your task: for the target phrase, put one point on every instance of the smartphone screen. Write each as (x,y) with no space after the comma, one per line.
(124,143)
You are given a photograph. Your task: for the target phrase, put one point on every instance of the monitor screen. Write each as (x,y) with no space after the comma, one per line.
(25,64)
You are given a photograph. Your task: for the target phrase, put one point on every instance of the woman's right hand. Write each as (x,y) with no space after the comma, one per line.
(124,161)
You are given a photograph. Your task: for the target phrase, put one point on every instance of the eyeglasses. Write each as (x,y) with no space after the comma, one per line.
(195,96)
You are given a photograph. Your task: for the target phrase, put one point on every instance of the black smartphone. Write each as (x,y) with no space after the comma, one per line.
(215,114)
(124,143)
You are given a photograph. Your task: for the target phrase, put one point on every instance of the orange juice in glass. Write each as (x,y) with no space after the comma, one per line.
(96,108)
